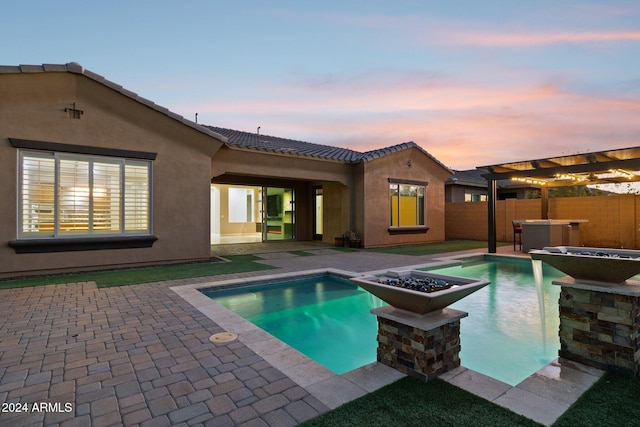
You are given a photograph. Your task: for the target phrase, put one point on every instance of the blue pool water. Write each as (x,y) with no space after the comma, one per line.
(324,317)
(503,336)
(327,318)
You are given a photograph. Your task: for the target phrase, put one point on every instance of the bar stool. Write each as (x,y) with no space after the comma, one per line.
(517,231)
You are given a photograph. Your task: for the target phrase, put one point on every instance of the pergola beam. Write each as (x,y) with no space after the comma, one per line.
(548,168)
(550,172)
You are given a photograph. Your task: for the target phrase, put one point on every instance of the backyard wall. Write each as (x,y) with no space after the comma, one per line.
(614,221)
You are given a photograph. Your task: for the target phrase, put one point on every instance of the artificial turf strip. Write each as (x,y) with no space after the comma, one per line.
(612,401)
(435,248)
(409,402)
(133,276)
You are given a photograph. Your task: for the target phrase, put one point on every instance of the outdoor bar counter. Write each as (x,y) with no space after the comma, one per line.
(540,233)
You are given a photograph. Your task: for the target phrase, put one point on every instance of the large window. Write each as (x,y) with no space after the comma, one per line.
(240,205)
(64,194)
(406,205)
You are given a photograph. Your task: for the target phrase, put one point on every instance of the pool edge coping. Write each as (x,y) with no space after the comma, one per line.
(333,389)
(330,388)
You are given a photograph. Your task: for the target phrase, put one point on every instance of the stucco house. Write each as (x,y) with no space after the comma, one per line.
(471,186)
(94,176)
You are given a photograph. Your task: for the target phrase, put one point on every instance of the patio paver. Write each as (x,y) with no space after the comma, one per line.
(141,355)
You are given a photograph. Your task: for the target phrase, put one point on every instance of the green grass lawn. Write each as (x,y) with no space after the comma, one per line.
(132,276)
(612,401)
(435,248)
(237,264)
(409,402)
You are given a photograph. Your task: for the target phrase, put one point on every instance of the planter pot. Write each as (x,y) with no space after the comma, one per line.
(417,301)
(354,243)
(339,241)
(591,264)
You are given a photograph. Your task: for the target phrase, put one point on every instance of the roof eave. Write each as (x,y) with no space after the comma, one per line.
(75,68)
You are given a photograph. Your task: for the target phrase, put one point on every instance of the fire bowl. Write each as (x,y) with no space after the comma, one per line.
(599,265)
(417,291)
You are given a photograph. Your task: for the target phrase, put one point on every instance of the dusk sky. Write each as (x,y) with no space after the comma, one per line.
(473,83)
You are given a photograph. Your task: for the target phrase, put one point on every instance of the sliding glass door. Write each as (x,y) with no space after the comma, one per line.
(278,213)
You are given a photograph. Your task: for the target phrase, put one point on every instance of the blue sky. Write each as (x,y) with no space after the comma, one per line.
(473,83)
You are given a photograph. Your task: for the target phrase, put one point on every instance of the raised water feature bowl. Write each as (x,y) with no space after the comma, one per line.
(613,266)
(417,291)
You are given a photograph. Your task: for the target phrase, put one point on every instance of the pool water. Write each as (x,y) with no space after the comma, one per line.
(327,318)
(324,317)
(503,336)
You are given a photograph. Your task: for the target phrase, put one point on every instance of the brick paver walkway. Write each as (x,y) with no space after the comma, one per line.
(132,355)
(141,355)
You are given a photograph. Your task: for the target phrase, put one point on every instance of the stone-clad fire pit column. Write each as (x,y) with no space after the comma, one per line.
(421,346)
(600,325)
(599,305)
(417,334)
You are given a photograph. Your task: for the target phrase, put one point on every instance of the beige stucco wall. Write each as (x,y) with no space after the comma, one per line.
(413,165)
(251,167)
(255,163)
(336,210)
(32,107)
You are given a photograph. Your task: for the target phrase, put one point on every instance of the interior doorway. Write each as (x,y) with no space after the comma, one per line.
(318,220)
(279,214)
(249,214)
(236,214)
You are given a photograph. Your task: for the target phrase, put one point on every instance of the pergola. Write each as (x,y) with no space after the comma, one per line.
(603,167)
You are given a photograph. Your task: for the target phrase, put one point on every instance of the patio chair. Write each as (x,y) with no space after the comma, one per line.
(517,234)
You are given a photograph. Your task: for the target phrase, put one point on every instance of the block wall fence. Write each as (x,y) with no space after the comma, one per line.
(614,221)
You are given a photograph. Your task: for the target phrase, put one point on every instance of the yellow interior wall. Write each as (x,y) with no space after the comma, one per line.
(408,211)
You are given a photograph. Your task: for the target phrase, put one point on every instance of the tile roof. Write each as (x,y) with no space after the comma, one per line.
(73,67)
(255,141)
(232,138)
(468,177)
(476,178)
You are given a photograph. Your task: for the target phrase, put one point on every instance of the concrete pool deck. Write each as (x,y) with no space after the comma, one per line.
(141,355)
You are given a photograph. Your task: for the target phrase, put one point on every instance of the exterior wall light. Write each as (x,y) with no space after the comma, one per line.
(74,113)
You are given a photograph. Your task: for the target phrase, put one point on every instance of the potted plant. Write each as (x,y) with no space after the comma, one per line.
(351,239)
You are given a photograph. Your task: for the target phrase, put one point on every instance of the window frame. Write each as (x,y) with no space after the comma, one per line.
(471,197)
(55,242)
(61,229)
(413,228)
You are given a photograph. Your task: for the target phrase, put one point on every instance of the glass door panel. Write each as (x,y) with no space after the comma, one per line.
(317,213)
(279,219)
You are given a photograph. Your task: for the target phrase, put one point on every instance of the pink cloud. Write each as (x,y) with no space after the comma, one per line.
(463,124)
(538,39)
(434,31)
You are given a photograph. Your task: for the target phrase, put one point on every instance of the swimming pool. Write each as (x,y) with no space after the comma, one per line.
(504,336)
(327,318)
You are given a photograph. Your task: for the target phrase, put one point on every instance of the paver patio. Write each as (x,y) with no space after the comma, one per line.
(141,355)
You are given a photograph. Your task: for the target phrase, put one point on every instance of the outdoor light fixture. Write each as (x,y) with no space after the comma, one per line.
(74,113)
(623,173)
(529,180)
(571,177)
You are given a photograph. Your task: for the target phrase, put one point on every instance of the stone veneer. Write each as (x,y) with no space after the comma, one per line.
(599,325)
(424,346)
